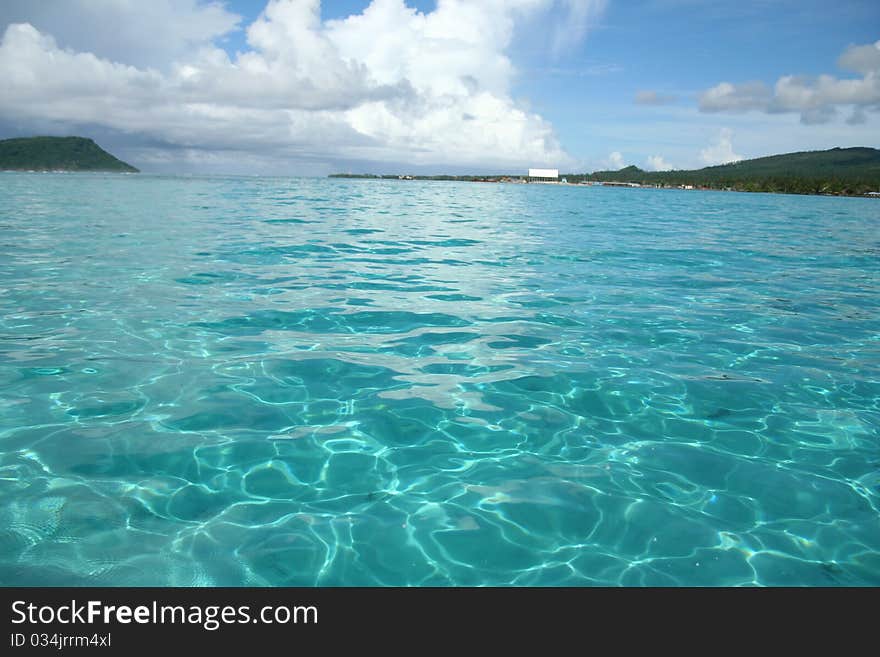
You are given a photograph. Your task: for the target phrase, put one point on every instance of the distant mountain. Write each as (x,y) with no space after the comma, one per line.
(631,170)
(57,154)
(837,162)
(835,171)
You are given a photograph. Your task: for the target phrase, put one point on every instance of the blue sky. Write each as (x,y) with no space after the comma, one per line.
(682,48)
(299,86)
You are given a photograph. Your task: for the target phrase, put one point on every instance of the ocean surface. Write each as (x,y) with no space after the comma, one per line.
(270,381)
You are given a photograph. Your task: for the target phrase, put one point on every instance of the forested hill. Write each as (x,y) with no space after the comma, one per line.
(835,171)
(57,154)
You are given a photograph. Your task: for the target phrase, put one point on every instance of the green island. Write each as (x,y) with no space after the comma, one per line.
(838,171)
(58,154)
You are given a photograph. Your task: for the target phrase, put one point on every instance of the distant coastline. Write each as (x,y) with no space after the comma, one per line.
(834,172)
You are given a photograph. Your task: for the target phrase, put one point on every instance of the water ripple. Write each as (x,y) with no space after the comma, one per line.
(245,381)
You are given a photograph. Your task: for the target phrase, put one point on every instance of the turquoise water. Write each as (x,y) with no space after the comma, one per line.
(245,381)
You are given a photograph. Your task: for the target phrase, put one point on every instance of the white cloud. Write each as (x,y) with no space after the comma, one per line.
(615,161)
(816,99)
(657,163)
(153,33)
(721,150)
(727,97)
(573,23)
(650,97)
(824,94)
(390,84)
(861,59)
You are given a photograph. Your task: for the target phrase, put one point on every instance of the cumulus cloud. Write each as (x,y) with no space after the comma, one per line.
(657,163)
(434,89)
(816,99)
(649,97)
(144,34)
(720,151)
(861,59)
(727,97)
(615,161)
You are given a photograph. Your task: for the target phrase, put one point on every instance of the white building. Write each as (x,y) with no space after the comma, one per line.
(543,175)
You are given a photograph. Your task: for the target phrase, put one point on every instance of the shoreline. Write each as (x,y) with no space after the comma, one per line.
(465,179)
(507,180)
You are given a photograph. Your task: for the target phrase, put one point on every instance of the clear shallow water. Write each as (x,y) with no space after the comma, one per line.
(324,382)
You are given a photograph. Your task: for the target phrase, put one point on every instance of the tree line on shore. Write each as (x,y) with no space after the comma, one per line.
(839,171)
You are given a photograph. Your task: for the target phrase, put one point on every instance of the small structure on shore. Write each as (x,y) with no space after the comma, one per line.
(544,175)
